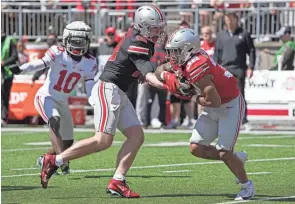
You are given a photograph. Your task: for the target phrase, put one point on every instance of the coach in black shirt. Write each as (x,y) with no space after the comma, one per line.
(231,47)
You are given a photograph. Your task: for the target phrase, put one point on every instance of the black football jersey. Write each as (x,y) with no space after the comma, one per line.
(129,61)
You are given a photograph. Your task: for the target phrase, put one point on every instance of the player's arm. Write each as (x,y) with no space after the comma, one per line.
(37,65)
(209,96)
(139,54)
(145,67)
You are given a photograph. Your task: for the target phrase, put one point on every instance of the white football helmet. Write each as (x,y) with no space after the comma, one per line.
(181,45)
(77,37)
(150,22)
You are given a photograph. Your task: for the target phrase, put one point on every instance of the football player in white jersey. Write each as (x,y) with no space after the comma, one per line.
(68,65)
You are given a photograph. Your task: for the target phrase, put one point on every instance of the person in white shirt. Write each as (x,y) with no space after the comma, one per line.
(68,65)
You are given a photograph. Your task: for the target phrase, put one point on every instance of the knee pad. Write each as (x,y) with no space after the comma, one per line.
(54,124)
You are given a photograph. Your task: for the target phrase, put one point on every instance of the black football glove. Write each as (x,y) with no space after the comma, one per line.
(15,69)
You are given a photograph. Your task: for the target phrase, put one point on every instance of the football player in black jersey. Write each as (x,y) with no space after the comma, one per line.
(129,63)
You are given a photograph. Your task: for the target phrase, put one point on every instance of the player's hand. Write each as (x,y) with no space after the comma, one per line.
(171,81)
(249,73)
(15,69)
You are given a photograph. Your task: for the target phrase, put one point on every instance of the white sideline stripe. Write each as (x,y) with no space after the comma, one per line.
(46,145)
(119,142)
(258,173)
(163,165)
(262,132)
(185,170)
(49,143)
(259,199)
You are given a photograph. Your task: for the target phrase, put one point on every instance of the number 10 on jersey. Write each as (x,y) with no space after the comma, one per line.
(68,84)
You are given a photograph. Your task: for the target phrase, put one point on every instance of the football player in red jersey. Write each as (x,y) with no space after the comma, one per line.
(216,90)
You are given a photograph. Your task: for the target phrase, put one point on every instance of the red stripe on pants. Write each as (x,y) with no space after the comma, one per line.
(240,120)
(104,110)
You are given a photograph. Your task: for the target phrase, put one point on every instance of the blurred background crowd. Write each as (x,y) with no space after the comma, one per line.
(265,30)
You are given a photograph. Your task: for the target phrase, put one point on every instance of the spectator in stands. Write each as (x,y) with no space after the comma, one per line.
(130,6)
(8,57)
(284,57)
(208,42)
(183,24)
(51,40)
(231,48)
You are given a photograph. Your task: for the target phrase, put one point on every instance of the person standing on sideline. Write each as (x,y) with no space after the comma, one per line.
(9,56)
(231,48)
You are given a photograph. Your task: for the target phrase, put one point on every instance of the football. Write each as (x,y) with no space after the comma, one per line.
(185,87)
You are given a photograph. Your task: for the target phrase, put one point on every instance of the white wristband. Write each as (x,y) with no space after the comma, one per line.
(162,75)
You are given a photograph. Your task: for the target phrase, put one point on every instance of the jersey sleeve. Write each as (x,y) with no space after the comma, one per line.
(143,64)
(51,54)
(140,54)
(47,61)
(139,47)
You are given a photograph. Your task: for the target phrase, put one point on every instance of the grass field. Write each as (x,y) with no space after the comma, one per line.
(164,172)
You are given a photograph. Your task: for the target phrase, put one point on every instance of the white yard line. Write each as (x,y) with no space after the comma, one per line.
(258,199)
(23,169)
(179,171)
(20,175)
(265,137)
(162,166)
(268,145)
(262,132)
(258,173)
(24,149)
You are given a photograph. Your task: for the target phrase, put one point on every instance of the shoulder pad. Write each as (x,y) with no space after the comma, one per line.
(54,51)
(139,38)
(197,67)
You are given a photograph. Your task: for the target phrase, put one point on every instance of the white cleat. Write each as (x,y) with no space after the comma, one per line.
(247,191)
(243,157)
(39,162)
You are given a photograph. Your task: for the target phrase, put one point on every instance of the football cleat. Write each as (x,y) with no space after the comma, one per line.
(48,169)
(247,191)
(65,169)
(120,188)
(39,163)
(243,157)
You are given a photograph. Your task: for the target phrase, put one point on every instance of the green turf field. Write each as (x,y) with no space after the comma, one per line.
(161,173)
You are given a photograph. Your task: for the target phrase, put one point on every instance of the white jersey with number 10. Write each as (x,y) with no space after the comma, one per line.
(65,73)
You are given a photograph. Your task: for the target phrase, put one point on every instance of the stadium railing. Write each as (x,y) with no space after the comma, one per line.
(33,19)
